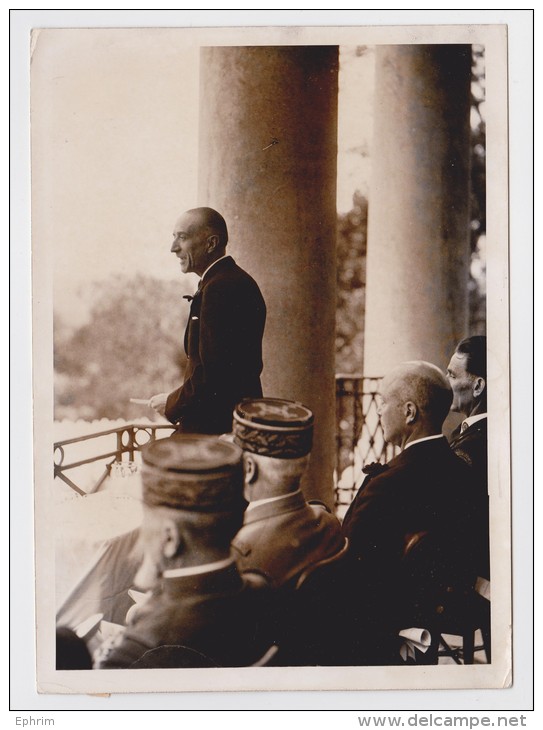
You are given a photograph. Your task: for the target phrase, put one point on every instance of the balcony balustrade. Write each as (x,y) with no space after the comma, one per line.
(121,444)
(359,440)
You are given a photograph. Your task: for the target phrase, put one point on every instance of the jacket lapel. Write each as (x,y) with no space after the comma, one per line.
(196,301)
(195,305)
(458,436)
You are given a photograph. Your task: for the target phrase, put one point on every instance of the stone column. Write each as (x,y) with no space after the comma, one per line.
(418,231)
(267,162)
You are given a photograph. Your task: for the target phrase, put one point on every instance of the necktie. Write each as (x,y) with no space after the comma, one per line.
(189,297)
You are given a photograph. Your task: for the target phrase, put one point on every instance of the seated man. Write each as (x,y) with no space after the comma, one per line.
(282,534)
(200,612)
(410,525)
(467,375)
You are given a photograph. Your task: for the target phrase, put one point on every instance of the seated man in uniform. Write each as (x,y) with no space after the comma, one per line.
(282,535)
(200,612)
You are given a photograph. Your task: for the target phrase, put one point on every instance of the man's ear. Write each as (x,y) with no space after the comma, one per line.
(410,410)
(479,385)
(251,469)
(212,242)
(171,539)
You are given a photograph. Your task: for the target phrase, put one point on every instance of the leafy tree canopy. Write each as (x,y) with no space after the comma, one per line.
(131,347)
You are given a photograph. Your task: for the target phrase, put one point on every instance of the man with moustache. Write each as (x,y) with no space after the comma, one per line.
(199,611)
(410,527)
(283,535)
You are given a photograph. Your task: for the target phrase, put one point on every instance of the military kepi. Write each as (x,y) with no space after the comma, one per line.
(189,472)
(273,427)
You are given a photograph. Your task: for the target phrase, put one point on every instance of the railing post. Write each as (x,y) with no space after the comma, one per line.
(132,440)
(119,445)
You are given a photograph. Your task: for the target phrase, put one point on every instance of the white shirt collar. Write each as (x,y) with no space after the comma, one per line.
(197,569)
(470,420)
(258,502)
(213,264)
(426,438)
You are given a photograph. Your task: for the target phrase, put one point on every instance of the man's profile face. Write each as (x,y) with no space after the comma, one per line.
(462,384)
(151,541)
(391,412)
(190,244)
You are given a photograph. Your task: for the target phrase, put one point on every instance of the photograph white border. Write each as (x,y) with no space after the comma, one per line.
(20,230)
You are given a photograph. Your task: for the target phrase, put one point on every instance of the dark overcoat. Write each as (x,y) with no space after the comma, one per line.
(471,445)
(410,531)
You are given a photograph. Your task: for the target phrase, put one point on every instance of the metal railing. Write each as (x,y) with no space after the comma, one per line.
(359,441)
(359,435)
(124,441)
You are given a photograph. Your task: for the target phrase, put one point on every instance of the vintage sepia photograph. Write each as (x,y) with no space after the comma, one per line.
(270,311)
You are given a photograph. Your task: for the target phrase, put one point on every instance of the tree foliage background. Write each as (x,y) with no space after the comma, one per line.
(132,344)
(131,347)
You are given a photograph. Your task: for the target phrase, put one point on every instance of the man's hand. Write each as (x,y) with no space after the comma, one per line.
(158,403)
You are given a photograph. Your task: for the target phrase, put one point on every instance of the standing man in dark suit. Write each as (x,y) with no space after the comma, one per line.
(223,338)
(409,526)
(467,375)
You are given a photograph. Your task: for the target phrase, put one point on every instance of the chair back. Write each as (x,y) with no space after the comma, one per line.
(178,656)
(315,567)
(303,630)
(173,656)
(442,592)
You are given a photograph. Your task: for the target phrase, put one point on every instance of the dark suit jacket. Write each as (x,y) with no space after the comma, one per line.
(410,532)
(281,539)
(471,446)
(214,616)
(223,343)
